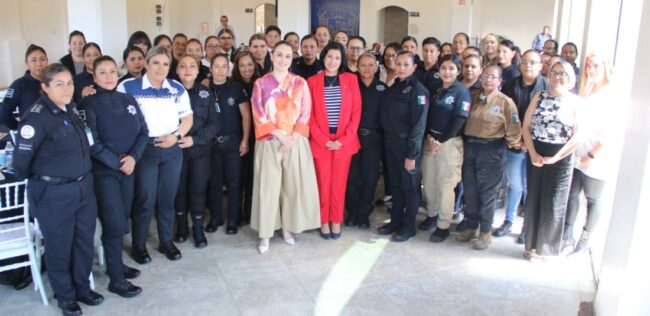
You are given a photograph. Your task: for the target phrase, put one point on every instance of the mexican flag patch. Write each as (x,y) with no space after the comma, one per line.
(422,100)
(465,106)
(515,118)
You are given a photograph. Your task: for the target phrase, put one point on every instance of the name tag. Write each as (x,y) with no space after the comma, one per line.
(89,135)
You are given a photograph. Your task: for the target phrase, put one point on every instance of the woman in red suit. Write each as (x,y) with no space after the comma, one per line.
(336,111)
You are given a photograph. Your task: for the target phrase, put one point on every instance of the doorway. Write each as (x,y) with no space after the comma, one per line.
(265,15)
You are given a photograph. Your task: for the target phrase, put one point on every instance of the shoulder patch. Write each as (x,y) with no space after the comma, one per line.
(9,94)
(465,106)
(37,108)
(27,132)
(422,99)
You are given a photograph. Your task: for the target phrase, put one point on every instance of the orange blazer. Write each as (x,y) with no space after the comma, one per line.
(349,117)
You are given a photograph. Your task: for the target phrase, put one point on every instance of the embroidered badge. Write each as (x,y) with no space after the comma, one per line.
(131,109)
(422,100)
(407,89)
(75,111)
(173,90)
(436,75)
(380,88)
(495,110)
(449,100)
(27,132)
(231,101)
(37,108)
(204,94)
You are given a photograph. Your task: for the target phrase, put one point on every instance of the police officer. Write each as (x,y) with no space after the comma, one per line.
(53,152)
(230,144)
(196,145)
(83,82)
(25,90)
(443,154)
(492,125)
(403,115)
(164,104)
(114,152)
(427,71)
(307,64)
(364,169)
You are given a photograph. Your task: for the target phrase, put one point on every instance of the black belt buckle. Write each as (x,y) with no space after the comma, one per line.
(366,132)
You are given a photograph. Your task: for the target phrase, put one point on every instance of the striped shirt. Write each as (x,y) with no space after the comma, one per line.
(333,104)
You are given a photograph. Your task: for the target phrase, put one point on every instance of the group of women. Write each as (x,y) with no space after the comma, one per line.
(297,139)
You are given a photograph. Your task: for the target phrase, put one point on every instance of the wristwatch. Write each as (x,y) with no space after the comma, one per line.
(178,136)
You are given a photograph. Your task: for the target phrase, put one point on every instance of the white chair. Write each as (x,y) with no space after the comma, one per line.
(17,233)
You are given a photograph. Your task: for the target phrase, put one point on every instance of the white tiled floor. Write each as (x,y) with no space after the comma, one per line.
(361,274)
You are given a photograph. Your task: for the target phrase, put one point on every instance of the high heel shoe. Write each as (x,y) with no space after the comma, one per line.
(288,238)
(263,246)
(335,236)
(326,236)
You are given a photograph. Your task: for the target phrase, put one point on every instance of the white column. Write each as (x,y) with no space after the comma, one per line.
(624,286)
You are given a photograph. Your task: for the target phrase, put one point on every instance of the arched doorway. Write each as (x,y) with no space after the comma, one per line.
(394,21)
(265,15)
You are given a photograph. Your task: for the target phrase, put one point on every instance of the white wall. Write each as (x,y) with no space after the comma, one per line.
(102,22)
(24,22)
(518,21)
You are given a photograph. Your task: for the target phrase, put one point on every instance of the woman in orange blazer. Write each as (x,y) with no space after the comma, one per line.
(336,112)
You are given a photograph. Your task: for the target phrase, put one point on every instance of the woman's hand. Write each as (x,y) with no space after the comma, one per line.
(243,147)
(536,160)
(333,145)
(409,164)
(585,161)
(165,141)
(128,164)
(186,142)
(88,91)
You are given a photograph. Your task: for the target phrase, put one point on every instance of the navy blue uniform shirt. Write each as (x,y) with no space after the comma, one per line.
(51,142)
(429,78)
(228,96)
(205,124)
(117,125)
(449,110)
(300,68)
(370,97)
(509,73)
(22,93)
(81,81)
(403,112)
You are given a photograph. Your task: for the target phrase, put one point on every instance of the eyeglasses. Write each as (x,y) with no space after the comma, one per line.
(489,77)
(558,74)
(356,48)
(226,37)
(529,62)
(390,56)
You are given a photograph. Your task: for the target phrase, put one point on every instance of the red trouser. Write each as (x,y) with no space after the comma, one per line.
(332,177)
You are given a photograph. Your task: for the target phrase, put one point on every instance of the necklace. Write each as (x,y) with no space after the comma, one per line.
(331,82)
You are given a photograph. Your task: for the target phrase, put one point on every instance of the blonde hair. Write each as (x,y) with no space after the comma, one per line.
(607,75)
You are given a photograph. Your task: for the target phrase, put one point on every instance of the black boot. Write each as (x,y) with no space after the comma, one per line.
(197,233)
(181,228)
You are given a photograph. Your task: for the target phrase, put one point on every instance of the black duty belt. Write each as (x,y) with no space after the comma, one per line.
(396,135)
(478,140)
(225,138)
(366,132)
(56,180)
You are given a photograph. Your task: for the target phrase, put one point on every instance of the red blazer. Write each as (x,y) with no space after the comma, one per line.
(349,117)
